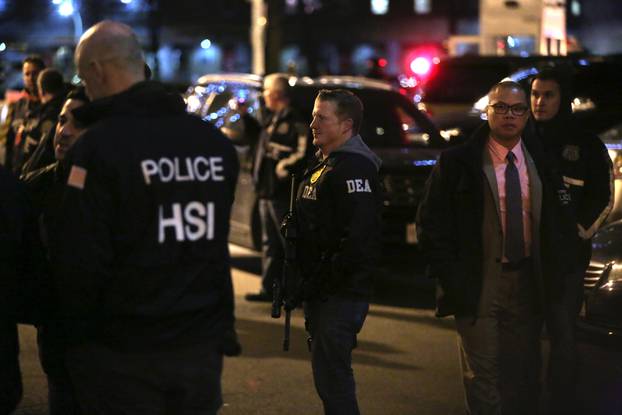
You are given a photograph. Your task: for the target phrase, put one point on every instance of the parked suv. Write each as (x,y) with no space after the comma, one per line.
(405,139)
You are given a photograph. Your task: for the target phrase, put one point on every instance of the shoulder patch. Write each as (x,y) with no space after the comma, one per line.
(77,177)
(571,152)
(358,186)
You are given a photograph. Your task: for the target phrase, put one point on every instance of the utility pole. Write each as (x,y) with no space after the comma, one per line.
(259,24)
(155,25)
(266,34)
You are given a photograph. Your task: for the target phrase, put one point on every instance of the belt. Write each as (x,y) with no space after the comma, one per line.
(515,266)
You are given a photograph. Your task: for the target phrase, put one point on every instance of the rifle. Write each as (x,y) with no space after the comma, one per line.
(281,288)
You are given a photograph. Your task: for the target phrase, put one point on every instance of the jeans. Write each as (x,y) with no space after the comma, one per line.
(271,212)
(333,325)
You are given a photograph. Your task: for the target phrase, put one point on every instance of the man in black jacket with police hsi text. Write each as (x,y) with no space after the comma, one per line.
(582,160)
(497,229)
(144,282)
(338,212)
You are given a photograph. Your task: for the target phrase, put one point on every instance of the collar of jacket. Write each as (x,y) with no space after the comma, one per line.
(146,98)
(472,152)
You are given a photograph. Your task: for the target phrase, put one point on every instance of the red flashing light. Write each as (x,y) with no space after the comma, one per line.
(421,62)
(382,62)
(421,66)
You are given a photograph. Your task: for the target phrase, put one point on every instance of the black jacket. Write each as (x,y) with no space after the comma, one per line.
(281,148)
(23,268)
(144,260)
(46,187)
(339,222)
(450,218)
(43,154)
(583,161)
(22,277)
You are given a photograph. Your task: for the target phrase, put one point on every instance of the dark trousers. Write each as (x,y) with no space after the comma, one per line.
(10,374)
(561,319)
(271,213)
(61,399)
(172,382)
(499,350)
(333,326)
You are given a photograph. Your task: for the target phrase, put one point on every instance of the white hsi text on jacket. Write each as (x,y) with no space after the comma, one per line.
(187,169)
(191,222)
(358,186)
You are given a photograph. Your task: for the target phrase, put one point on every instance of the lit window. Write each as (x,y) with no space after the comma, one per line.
(423,6)
(379,6)
(575,8)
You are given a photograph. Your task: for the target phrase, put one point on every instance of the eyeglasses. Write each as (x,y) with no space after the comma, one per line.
(502,108)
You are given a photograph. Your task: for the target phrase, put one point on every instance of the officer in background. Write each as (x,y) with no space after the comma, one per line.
(584,163)
(338,215)
(46,187)
(52,93)
(144,283)
(22,273)
(23,118)
(281,148)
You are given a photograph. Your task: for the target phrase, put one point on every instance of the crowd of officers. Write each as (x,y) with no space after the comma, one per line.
(114,237)
(114,221)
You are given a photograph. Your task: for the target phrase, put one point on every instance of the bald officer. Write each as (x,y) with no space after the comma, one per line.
(144,265)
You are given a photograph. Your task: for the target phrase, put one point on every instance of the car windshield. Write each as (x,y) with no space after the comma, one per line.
(463,82)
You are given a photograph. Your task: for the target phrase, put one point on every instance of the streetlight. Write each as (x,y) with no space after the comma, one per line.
(67,8)
(206,44)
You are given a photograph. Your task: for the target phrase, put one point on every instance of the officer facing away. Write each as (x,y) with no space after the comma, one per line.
(144,282)
(338,216)
(583,162)
(282,145)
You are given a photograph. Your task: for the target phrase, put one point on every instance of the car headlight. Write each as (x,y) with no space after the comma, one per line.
(615,154)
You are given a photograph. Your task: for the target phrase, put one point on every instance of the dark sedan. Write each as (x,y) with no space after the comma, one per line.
(602,313)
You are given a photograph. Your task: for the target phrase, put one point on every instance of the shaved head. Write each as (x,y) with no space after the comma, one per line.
(109,58)
(506,86)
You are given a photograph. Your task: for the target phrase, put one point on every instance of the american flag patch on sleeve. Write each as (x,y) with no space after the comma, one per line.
(77,177)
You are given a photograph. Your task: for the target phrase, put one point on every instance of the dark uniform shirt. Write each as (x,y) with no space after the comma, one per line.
(144,261)
(339,222)
(42,154)
(281,147)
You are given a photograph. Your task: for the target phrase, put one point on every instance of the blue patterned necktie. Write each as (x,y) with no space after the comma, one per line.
(514,241)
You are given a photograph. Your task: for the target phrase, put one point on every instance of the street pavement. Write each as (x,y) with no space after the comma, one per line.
(406,362)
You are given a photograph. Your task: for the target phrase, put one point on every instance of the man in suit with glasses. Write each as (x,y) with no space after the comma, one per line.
(486,225)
